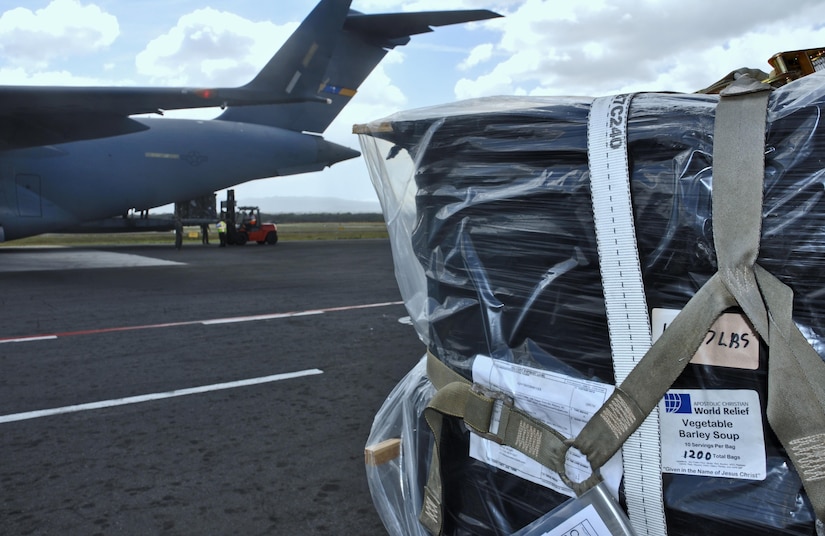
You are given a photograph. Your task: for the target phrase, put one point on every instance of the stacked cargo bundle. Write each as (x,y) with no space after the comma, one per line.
(492,226)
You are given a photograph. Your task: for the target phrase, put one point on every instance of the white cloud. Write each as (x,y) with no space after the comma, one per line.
(384,6)
(595,48)
(211,47)
(62,29)
(478,55)
(22,77)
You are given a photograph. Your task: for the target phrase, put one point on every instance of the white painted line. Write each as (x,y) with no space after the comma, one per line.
(255,318)
(30,339)
(208,322)
(155,396)
(310,312)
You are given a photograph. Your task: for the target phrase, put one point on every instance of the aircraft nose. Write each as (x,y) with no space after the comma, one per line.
(331,153)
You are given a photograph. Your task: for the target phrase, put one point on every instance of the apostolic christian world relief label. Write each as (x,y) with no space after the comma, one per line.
(712,432)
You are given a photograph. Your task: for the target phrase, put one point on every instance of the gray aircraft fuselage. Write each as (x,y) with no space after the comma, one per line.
(51,187)
(75,155)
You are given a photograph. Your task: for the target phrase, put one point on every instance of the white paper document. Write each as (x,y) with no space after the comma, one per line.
(562,402)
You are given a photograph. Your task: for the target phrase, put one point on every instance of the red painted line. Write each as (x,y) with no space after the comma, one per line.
(228,320)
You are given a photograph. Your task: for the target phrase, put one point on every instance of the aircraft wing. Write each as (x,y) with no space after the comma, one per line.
(46,115)
(123,101)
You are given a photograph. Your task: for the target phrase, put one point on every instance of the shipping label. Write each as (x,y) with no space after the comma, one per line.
(730,342)
(712,432)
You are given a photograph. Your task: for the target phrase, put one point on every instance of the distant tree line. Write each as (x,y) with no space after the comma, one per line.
(326,217)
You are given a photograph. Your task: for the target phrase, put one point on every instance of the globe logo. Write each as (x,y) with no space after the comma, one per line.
(677,403)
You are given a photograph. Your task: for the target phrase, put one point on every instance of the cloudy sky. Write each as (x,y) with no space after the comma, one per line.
(540,47)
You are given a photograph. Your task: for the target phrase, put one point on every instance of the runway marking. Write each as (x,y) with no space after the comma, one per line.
(22,259)
(155,396)
(208,322)
(30,339)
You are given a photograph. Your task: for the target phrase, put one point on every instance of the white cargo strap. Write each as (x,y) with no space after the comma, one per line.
(627,314)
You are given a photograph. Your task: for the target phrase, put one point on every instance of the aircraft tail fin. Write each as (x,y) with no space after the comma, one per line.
(324,62)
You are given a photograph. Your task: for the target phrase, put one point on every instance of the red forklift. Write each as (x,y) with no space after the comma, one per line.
(243,224)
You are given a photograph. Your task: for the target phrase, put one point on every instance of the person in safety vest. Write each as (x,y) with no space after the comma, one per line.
(221,226)
(178,233)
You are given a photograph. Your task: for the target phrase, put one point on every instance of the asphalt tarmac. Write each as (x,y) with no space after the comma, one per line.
(146,390)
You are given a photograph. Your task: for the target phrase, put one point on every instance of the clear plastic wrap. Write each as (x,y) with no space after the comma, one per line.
(399,501)
(491,224)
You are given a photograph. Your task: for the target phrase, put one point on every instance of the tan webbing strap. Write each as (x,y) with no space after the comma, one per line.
(796,391)
(441,376)
(796,373)
(457,397)
(515,428)
(738,172)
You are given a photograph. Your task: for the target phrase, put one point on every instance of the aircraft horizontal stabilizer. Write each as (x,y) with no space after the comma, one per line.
(393,26)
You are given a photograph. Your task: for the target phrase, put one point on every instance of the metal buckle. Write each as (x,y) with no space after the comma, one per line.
(588,482)
(500,400)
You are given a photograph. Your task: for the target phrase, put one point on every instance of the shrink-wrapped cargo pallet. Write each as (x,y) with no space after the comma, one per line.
(491,218)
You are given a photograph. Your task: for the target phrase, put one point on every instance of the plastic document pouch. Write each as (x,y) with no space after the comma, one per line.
(595,513)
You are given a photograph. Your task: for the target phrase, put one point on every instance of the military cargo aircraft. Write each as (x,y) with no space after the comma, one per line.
(73,155)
